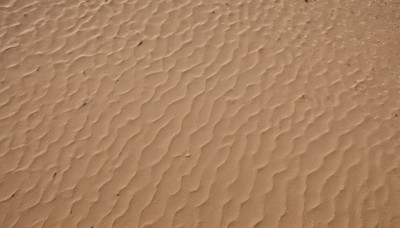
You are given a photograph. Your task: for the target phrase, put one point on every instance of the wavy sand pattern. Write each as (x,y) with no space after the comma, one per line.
(200,113)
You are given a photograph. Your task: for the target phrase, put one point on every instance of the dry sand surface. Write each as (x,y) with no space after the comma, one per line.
(200,113)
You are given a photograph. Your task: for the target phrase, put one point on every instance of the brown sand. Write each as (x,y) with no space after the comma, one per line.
(200,113)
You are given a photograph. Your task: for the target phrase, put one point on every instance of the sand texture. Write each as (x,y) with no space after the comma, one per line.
(200,113)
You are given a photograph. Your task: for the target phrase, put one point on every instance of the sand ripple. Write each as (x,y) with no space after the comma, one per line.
(199,113)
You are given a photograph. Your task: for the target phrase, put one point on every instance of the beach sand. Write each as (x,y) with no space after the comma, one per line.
(200,113)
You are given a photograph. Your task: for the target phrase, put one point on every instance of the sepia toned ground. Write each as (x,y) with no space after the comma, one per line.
(200,113)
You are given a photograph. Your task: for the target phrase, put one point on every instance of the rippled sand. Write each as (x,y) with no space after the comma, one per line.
(200,113)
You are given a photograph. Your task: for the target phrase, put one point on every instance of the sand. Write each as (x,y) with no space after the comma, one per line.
(200,113)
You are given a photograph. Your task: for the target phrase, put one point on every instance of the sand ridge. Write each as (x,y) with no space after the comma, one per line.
(199,113)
